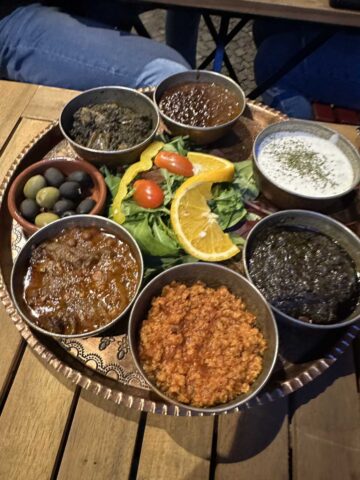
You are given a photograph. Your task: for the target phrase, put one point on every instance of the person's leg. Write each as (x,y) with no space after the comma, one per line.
(263,28)
(329,75)
(182,27)
(43,45)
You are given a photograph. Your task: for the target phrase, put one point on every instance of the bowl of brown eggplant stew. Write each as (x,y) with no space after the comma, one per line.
(201,104)
(306,265)
(77,276)
(109,125)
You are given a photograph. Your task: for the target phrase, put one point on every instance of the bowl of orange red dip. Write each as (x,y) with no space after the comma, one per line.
(203,337)
(77,276)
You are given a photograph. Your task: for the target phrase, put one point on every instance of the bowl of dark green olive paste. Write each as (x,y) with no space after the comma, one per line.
(306,265)
(109,125)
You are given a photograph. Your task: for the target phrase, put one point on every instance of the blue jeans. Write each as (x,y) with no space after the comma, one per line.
(329,75)
(43,45)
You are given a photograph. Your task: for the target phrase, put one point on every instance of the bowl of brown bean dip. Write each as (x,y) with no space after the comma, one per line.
(109,125)
(203,337)
(77,276)
(201,104)
(306,265)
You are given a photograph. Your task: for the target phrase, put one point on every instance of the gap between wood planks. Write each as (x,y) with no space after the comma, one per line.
(356,350)
(9,380)
(65,434)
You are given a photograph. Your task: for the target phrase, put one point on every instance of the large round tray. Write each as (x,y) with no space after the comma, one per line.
(104,365)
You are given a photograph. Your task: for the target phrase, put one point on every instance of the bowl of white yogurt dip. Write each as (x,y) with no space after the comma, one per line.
(302,164)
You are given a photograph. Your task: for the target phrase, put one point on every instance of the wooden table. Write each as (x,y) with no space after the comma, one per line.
(50,429)
(306,10)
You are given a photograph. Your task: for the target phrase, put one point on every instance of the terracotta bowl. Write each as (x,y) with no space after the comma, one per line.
(66,166)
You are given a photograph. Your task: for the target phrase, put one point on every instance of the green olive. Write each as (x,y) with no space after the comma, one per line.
(47,197)
(33,185)
(44,218)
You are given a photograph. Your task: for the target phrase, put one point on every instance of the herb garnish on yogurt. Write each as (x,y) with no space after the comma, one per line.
(305,164)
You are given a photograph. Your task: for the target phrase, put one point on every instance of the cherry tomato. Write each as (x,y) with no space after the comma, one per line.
(175,163)
(148,194)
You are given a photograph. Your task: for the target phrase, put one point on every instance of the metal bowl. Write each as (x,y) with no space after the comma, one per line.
(50,231)
(316,222)
(126,97)
(199,135)
(214,276)
(285,198)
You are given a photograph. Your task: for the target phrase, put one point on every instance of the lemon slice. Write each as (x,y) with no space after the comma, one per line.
(203,162)
(195,226)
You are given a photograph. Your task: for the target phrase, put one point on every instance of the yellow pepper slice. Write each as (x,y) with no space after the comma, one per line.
(145,163)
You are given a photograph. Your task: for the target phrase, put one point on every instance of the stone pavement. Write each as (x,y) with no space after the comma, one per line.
(241,50)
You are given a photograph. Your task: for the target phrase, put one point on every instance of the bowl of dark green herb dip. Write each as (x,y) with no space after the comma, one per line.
(109,125)
(307,267)
(301,164)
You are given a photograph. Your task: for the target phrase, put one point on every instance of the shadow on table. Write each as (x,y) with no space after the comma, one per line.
(258,427)
(344,366)
(251,433)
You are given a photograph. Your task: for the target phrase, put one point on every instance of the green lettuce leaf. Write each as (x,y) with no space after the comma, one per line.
(112,181)
(227,204)
(228,197)
(153,236)
(244,180)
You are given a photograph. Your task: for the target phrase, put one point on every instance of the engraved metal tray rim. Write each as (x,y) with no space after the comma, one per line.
(81,375)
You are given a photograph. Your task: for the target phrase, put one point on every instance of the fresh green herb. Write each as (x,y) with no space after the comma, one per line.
(228,198)
(177,145)
(155,265)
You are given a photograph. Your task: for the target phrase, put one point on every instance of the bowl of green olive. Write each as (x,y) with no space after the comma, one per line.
(55,188)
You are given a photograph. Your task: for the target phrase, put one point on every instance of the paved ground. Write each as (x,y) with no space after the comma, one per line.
(241,51)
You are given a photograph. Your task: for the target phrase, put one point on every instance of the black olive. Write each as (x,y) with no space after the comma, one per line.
(71,190)
(86,205)
(29,208)
(63,205)
(54,177)
(68,213)
(81,177)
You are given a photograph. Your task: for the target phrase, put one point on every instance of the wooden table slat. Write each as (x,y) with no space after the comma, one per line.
(252,439)
(47,103)
(13,99)
(101,440)
(9,344)
(33,421)
(25,132)
(307,10)
(325,430)
(176,448)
